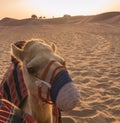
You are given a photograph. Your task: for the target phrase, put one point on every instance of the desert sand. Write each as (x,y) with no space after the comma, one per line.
(91,47)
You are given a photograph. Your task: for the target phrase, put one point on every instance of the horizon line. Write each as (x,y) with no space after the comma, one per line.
(57,16)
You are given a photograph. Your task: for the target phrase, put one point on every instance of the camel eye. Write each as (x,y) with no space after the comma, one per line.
(64,63)
(31,70)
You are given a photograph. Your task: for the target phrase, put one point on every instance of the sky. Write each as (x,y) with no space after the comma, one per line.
(25,8)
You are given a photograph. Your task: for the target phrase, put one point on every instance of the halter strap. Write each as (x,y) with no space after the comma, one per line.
(47,69)
(48,84)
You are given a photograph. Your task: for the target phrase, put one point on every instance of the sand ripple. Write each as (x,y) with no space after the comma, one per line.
(92,54)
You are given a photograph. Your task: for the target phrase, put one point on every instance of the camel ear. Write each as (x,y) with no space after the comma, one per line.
(54,48)
(17,52)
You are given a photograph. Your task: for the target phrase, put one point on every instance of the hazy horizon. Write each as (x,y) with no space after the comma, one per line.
(20,9)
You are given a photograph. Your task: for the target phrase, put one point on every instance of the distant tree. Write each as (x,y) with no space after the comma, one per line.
(44,17)
(40,17)
(67,16)
(34,16)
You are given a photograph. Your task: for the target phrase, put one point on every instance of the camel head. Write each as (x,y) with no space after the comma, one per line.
(45,74)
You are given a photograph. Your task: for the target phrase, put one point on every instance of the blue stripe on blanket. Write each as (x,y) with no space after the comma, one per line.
(7,91)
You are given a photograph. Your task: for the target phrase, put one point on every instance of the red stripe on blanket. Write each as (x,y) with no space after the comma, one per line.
(9,113)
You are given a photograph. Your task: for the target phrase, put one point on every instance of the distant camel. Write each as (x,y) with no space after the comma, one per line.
(46,79)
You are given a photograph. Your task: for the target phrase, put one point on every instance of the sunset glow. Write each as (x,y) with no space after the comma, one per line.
(57,8)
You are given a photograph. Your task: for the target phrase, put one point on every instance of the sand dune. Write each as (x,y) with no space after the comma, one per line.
(106,16)
(92,54)
(110,17)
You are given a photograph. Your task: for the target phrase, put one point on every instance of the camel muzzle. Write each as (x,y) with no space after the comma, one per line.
(62,90)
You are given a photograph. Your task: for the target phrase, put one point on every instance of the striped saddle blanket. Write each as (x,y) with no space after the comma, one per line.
(13,93)
(9,113)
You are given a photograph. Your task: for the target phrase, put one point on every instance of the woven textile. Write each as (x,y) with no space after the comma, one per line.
(9,113)
(12,86)
(13,92)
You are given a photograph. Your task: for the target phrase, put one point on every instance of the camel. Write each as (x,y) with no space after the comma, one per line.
(47,80)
